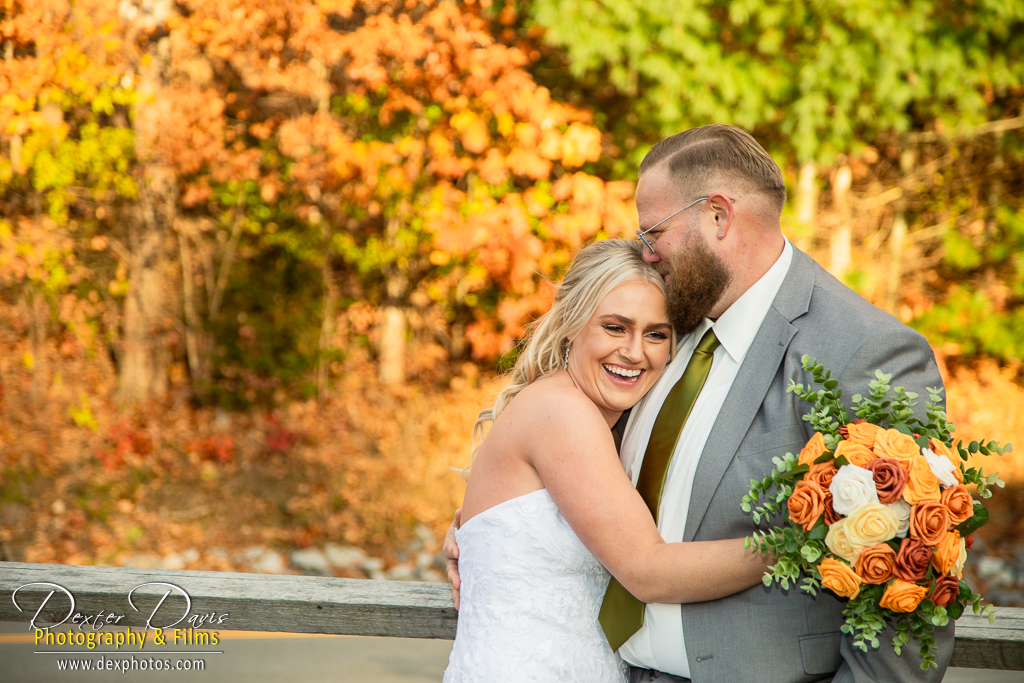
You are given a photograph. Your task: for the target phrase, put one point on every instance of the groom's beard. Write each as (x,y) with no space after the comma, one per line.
(699,277)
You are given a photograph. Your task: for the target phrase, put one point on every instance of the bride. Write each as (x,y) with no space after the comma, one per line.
(549,510)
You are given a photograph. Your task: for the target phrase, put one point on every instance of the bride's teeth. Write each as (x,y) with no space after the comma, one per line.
(622,372)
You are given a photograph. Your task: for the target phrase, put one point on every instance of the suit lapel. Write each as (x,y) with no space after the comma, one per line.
(752,382)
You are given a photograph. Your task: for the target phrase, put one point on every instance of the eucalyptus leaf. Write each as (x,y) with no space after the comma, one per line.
(903,428)
(975,522)
(818,531)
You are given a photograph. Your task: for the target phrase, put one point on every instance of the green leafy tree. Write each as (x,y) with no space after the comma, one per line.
(810,79)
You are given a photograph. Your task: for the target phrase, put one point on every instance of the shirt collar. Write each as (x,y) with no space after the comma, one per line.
(737,327)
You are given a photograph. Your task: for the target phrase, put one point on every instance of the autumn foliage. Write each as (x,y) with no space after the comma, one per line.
(246,242)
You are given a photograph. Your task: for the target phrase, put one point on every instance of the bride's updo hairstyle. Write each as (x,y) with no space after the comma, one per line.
(596,270)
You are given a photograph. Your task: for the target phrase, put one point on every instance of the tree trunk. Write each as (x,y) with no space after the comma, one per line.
(897,240)
(327,314)
(842,237)
(39,315)
(193,328)
(143,371)
(391,362)
(143,366)
(391,346)
(8,340)
(806,203)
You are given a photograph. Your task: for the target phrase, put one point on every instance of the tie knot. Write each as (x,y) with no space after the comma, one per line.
(708,343)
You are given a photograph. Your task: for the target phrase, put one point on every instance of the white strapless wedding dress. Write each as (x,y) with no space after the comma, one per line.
(530,596)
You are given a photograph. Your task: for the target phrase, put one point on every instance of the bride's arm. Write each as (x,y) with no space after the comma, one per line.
(570,446)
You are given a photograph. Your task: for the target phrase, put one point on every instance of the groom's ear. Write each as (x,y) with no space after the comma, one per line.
(723,213)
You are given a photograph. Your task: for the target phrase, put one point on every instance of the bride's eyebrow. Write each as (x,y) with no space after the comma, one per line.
(621,318)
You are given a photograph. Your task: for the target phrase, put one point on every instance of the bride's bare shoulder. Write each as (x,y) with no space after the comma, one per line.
(554,399)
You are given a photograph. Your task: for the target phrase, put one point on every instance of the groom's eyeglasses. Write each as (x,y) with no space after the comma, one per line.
(649,242)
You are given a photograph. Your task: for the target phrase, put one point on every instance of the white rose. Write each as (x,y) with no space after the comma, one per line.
(851,488)
(901,509)
(941,467)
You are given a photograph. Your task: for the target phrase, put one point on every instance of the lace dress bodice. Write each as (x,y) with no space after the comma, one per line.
(530,596)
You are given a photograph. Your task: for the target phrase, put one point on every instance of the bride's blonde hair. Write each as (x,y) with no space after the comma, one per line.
(596,270)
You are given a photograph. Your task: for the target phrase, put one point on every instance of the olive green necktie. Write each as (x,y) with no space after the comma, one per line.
(622,615)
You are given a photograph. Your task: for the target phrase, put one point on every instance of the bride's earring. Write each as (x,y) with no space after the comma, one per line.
(565,361)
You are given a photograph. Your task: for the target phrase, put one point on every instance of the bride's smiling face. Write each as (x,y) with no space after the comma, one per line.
(621,351)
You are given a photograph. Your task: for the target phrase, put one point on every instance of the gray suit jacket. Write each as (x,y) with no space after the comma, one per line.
(767,634)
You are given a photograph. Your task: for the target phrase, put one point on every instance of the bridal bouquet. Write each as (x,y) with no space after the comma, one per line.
(876,509)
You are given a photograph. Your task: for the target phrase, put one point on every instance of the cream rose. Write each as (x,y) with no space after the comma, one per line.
(941,467)
(958,566)
(838,542)
(901,510)
(851,488)
(871,524)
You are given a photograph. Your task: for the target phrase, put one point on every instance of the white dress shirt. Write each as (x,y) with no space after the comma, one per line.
(659,643)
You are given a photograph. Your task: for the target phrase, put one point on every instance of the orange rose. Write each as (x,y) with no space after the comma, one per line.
(863,433)
(947,589)
(813,450)
(806,504)
(939,448)
(922,484)
(839,578)
(831,516)
(912,561)
(821,474)
(959,502)
(874,564)
(903,596)
(929,522)
(897,445)
(890,479)
(947,552)
(855,453)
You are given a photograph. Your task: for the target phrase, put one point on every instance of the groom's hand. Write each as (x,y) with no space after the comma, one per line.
(451,556)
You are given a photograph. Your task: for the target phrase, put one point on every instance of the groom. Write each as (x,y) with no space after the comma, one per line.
(709,202)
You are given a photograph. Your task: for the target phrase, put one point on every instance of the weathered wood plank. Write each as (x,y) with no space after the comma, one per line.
(305,604)
(980,645)
(253,602)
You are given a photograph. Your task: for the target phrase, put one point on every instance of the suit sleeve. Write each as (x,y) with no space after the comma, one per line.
(906,355)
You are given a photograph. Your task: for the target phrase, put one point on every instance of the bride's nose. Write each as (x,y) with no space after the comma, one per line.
(632,349)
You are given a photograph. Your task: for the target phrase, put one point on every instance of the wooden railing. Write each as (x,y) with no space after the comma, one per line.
(307,604)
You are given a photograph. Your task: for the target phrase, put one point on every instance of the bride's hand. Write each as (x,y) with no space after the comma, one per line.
(451,556)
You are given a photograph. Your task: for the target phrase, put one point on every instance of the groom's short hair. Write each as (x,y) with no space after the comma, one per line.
(699,157)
